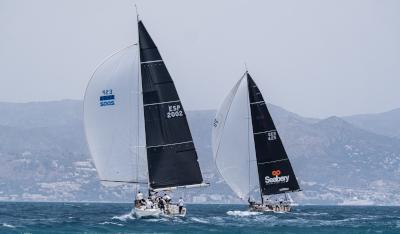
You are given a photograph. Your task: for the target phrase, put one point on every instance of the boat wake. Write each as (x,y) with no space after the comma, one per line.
(242,213)
(125,217)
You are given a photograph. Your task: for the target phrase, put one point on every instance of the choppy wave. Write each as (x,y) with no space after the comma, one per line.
(8,225)
(199,220)
(110,223)
(125,217)
(242,213)
(118,218)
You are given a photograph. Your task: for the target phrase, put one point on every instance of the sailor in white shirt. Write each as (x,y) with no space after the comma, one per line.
(180,204)
(149,204)
(139,196)
(139,199)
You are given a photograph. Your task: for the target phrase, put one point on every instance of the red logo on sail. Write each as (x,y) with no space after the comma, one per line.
(276,172)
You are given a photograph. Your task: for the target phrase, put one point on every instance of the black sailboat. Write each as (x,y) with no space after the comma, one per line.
(136,126)
(247,148)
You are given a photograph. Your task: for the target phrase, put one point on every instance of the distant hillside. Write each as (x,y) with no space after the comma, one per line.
(44,157)
(386,123)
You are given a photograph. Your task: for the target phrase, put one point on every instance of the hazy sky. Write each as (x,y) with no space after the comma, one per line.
(315,58)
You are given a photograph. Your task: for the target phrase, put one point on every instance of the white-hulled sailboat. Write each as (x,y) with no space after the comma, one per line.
(136,127)
(248,151)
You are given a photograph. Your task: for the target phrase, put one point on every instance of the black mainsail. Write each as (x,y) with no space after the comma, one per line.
(171,154)
(274,169)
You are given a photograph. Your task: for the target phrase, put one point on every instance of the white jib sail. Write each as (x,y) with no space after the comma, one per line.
(114,120)
(233,142)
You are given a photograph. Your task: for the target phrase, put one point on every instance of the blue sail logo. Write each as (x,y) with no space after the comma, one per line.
(108,98)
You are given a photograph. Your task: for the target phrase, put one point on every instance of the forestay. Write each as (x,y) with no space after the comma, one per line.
(113,118)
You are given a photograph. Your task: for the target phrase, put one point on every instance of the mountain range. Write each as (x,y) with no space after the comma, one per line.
(350,160)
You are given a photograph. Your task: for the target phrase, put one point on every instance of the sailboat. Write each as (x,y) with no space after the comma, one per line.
(248,151)
(136,127)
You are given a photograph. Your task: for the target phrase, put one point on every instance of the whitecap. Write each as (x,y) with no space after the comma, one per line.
(125,217)
(107,223)
(199,220)
(159,219)
(8,225)
(242,213)
(310,213)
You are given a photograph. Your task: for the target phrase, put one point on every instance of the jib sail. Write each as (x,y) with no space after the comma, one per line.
(113,118)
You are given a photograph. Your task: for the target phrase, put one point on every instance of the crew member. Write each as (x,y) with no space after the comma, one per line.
(161,204)
(139,199)
(251,203)
(180,204)
(149,204)
(167,198)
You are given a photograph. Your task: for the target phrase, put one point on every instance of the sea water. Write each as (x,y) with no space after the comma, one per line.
(24,217)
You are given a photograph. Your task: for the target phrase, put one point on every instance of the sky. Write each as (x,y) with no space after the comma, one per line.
(315,58)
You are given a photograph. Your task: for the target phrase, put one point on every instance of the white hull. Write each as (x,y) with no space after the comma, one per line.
(173,211)
(147,213)
(272,208)
(170,211)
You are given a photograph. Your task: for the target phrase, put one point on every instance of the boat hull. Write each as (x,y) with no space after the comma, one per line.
(270,208)
(171,210)
(147,213)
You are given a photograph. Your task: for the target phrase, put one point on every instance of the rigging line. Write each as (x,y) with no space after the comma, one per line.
(138,102)
(137,13)
(248,128)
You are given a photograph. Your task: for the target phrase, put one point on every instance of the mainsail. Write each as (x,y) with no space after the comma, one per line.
(247,149)
(172,158)
(274,169)
(135,124)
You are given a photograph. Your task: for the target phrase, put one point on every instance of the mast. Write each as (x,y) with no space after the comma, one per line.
(171,154)
(139,95)
(274,169)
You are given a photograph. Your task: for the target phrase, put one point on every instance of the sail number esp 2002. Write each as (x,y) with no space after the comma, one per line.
(174,111)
